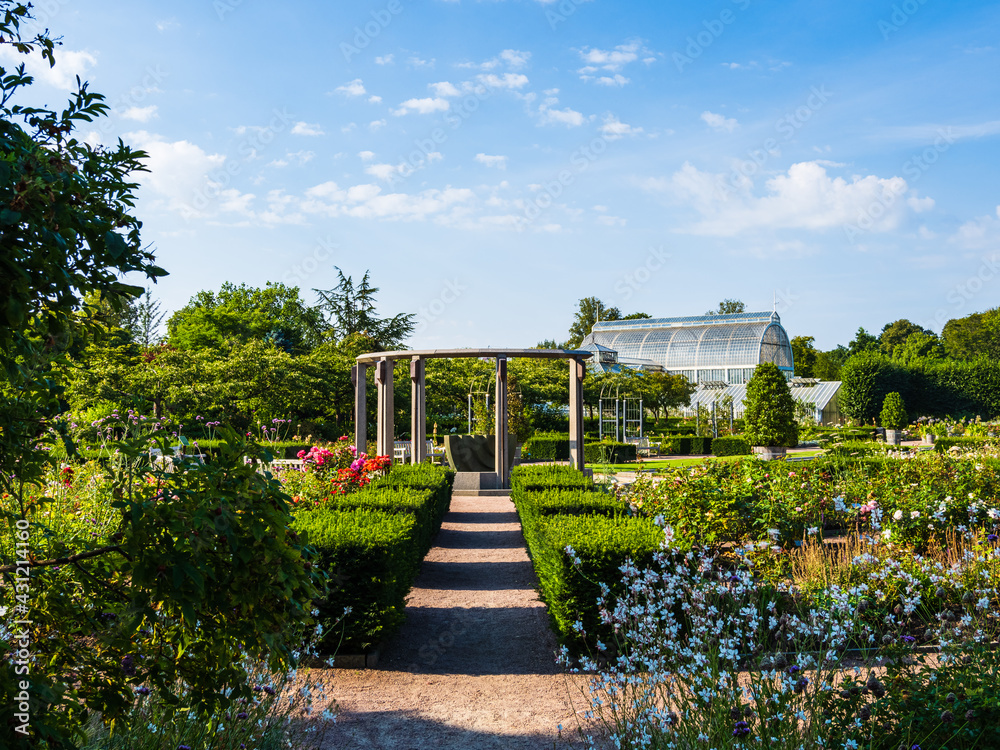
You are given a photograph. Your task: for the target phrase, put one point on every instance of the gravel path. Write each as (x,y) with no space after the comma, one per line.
(473,665)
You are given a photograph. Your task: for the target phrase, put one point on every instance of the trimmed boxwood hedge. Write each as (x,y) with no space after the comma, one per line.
(616,453)
(687,446)
(552,447)
(527,478)
(732,445)
(942,445)
(370,558)
(603,545)
(371,543)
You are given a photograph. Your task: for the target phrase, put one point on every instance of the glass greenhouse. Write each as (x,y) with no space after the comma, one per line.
(721,349)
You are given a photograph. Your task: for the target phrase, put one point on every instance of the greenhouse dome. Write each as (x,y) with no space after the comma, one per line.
(705,349)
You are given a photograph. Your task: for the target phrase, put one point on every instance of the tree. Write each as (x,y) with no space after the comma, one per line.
(973,335)
(867,378)
(590,310)
(805,355)
(240,314)
(895,334)
(351,313)
(149,317)
(863,342)
(893,415)
(663,391)
(919,347)
(729,307)
(828,364)
(769,410)
(103,613)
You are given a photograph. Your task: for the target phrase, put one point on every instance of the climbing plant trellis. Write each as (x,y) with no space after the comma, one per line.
(619,414)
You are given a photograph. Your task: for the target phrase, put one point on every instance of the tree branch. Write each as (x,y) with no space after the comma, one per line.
(66,560)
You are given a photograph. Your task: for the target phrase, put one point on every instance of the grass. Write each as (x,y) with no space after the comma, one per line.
(673,463)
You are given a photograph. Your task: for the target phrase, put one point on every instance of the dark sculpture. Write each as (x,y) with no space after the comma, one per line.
(475,453)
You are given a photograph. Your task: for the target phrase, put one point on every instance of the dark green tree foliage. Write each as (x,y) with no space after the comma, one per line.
(919,347)
(974,335)
(351,313)
(867,378)
(805,355)
(239,314)
(769,410)
(828,364)
(590,310)
(863,342)
(729,307)
(893,415)
(895,334)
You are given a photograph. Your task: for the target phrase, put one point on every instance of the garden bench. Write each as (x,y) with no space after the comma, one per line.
(401,451)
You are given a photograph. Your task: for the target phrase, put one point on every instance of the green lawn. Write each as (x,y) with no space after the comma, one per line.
(673,463)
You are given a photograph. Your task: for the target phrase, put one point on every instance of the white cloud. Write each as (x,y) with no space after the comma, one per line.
(181,176)
(510,58)
(611,221)
(804,198)
(354,88)
(306,128)
(613,60)
(69,65)
(919,205)
(377,124)
(416,62)
(384,60)
(566,116)
(444,88)
(617,80)
(719,123)
(507,81)
(368,202)
(613,128)
(140,114)
(366,155)
(167,25)
(500,162)
(374,99)
(422,106)
(979,234)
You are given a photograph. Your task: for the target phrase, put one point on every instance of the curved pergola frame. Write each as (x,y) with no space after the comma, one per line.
(385,428)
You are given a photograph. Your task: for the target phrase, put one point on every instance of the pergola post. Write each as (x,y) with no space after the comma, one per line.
(359,377)
(576,370)
(418,410)
(384,430)
(500,427)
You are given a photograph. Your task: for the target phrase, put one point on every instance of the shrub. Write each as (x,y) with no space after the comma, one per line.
(687,445)
(943,445)
(370,560)
(554,447)
(528,478)
(602,545)
(615,453)
(866,380)
(893,416)
(768,410)
(731,446)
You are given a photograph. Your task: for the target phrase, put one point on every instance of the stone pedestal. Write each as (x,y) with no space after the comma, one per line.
(770,453)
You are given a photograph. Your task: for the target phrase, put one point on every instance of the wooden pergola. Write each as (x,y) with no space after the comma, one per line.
(385,428)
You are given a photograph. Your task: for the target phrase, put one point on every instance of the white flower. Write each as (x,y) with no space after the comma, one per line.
(897,516)
(915,514)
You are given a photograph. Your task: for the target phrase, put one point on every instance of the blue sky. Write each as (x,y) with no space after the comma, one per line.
(493,162)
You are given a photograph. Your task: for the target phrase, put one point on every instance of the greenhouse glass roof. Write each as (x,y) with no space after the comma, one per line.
(704,348)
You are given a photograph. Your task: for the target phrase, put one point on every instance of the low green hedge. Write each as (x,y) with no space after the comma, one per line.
(615,453)
(732,445)
(687,446)
(371,543)
(553,447)
(527,478)
(369,557)
(603,545)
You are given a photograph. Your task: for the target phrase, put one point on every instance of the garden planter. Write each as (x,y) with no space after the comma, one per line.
(928,439)
(893,437)
(770,453)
